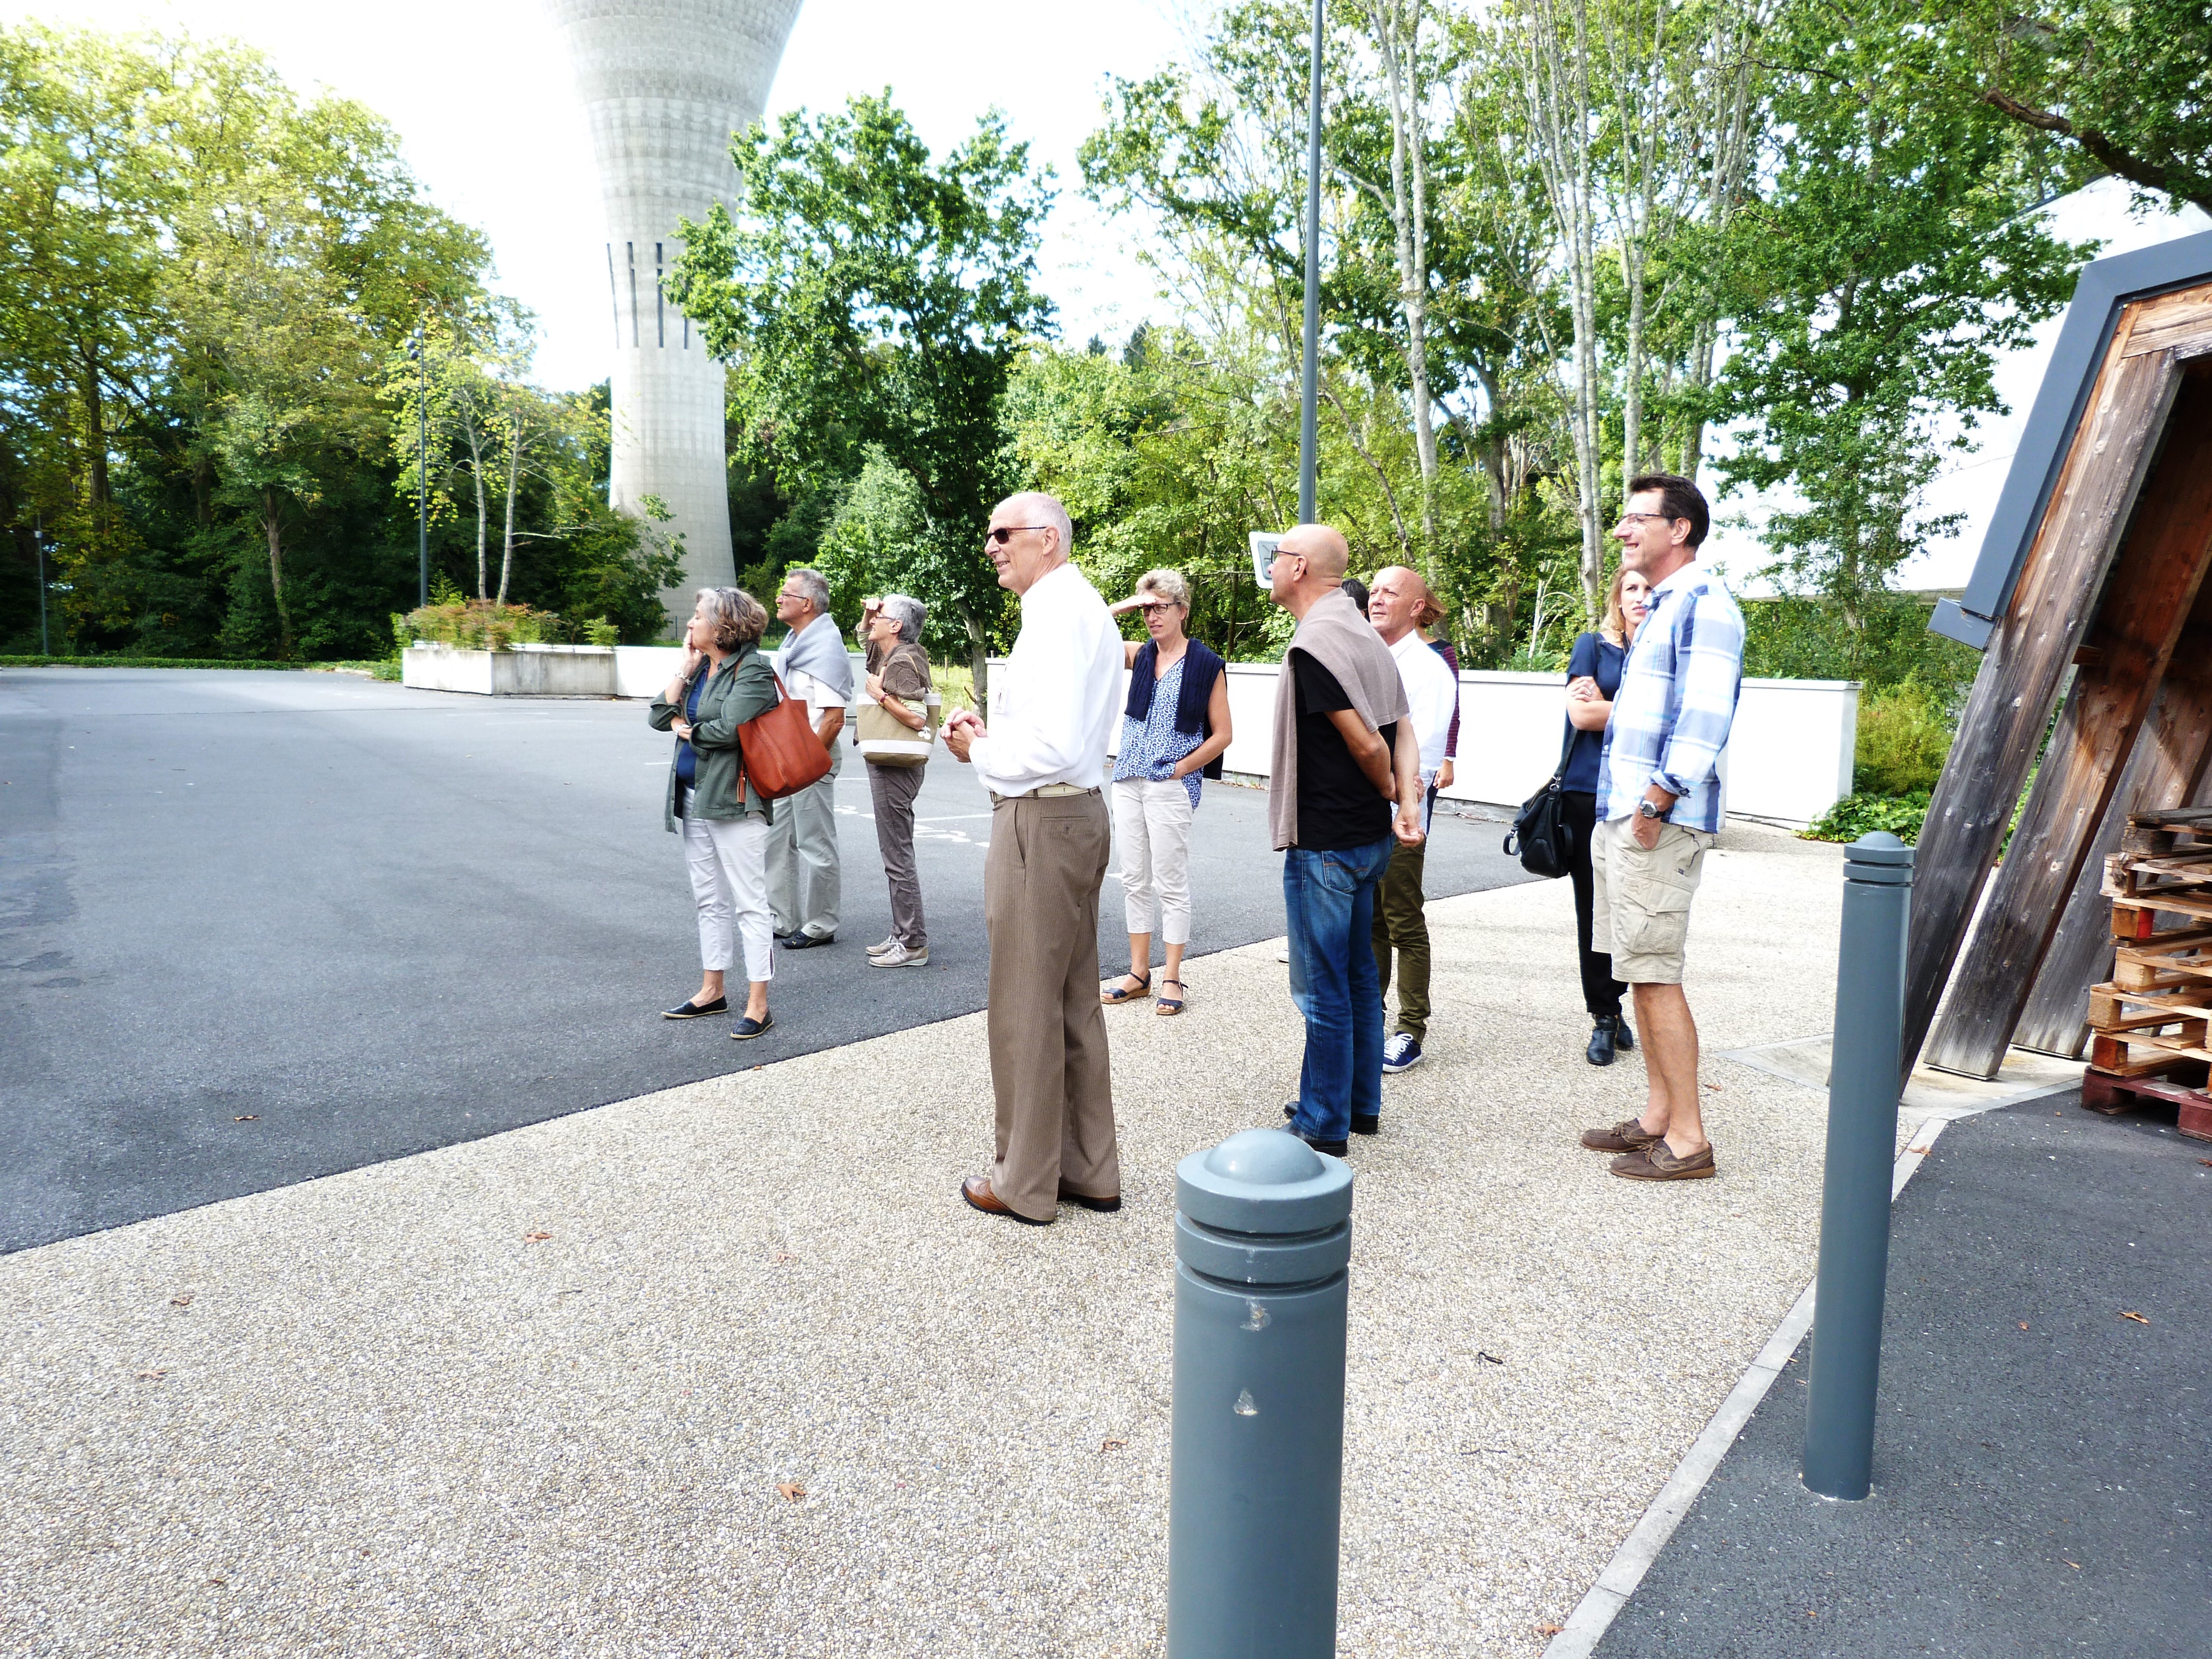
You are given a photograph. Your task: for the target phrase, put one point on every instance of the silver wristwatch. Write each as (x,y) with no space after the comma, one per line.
(1644,809)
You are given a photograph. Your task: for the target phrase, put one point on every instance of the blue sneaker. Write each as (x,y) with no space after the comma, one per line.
(1401,1053)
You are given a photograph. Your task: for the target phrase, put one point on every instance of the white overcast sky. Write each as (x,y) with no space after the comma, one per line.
(480,93)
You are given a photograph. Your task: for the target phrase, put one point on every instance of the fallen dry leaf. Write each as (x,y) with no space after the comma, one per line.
(251,1117)
(2023,1324)
(1113,1445)
(783,1255)
(2076,1565)
(214,1582)
(790,1489)
(2137,1317)
(1714,1087)
(1549,1630)
(151,1375)
(184,1301)
(536,1238)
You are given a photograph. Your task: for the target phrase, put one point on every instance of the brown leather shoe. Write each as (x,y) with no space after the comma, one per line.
(1657,1162)
(1628,1135)
(1104,1205)
(976,1189)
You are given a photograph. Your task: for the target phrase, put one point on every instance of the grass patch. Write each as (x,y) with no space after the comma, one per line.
(145,662)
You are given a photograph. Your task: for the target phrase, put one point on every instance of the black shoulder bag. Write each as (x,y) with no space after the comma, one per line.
(1546,841)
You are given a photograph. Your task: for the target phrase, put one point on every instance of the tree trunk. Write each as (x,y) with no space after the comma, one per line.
(1397,26)
(979,662)
(272,526)
(95,442)
(513,476)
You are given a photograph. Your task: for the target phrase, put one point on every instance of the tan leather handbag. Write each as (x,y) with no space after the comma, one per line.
(779,752)
(883,739)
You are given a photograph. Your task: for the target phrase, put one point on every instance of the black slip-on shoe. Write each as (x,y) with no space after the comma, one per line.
(804,941)
(1604,1038)
(1363,1123)
(698,1010)
(1623,1038)
(749,1028)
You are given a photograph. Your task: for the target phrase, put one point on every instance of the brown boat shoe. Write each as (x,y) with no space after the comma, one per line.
(1657,1162)
(1628,1135)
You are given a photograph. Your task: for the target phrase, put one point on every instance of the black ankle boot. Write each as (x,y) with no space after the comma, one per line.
(1604,1038)
(1623,1038)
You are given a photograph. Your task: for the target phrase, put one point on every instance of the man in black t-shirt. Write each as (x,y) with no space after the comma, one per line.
(1344,751)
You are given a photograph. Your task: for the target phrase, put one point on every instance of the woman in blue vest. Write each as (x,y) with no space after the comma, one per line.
(1174,728)
(1593,678)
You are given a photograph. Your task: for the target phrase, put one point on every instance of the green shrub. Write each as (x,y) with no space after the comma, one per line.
(600,631)
(1903,741)
(1858,815)
(482,625)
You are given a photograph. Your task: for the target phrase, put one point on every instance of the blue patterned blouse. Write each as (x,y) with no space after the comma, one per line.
(1151,746)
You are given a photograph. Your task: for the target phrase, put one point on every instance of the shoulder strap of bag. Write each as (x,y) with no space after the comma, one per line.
(1566,748)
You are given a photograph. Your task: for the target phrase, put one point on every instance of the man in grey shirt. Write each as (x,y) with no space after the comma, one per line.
(802,874)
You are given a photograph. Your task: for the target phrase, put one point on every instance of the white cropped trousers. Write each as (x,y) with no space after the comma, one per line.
(1152,822)
(728,859)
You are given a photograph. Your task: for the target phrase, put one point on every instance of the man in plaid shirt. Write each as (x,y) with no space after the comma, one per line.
(1659,809)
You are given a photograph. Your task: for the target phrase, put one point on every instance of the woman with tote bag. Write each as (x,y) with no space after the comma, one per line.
(724,685)
(897,728)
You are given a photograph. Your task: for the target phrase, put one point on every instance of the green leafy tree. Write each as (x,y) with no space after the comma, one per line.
(867,295)
(1890,261)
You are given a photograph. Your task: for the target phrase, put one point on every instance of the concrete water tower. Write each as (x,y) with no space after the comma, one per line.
(665,83)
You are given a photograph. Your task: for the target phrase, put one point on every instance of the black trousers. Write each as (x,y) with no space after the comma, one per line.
(1602,992)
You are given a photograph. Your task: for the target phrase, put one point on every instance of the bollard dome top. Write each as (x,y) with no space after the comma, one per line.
(1264,1181)
(1878,846)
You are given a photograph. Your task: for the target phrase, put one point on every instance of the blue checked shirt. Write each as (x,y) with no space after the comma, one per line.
(1676,701)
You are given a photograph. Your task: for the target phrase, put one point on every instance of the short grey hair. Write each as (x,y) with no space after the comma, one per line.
(809,581)
(1040,508)
(737,616)
(910,614)
(1168,584)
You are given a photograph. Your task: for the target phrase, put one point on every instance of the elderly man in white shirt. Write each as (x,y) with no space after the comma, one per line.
(805,880)
(1042,755)
(1395,604)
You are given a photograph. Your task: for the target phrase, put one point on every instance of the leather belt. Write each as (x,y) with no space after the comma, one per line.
(1052,790)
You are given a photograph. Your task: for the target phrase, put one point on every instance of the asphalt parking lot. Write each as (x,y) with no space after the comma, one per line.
(257,928)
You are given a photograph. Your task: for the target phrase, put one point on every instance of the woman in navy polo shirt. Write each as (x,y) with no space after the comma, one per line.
(1593,678)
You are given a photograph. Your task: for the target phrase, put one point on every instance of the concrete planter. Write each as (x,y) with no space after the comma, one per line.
(523,671)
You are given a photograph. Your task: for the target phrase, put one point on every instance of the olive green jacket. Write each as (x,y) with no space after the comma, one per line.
(742,689)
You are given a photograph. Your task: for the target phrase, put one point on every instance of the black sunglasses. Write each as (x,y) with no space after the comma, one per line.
(1005,533)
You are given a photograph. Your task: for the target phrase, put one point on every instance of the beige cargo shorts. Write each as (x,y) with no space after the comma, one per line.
(1641,908)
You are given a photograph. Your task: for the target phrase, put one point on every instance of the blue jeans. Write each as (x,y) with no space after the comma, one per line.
(1329,898)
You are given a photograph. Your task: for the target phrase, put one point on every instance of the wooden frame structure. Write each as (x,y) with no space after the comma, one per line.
(2096,559)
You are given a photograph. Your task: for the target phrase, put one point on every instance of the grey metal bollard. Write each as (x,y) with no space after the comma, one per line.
(1263,1236)
(1865,1078)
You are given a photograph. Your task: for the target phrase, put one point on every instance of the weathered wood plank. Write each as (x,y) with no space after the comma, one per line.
(2004,717)
(2170,766)
(2179,322)
(2146,602)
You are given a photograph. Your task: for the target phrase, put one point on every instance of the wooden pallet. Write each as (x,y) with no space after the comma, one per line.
(2154,1017)
(2102,1092)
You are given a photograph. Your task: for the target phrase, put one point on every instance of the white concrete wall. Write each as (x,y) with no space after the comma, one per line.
(664,83)
(1788,756)
(643,670)
(527,670)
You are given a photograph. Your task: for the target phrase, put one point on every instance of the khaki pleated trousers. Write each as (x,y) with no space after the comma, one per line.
(1049,1071)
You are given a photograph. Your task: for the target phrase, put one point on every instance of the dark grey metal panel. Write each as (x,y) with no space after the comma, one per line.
(2105,285)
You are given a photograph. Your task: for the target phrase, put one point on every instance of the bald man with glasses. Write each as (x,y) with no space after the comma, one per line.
(1043,756)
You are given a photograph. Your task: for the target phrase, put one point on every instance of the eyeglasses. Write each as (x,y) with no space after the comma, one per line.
(1004,534)
(1628,519)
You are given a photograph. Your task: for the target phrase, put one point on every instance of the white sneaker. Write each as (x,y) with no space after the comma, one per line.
(882,945)
(899,957)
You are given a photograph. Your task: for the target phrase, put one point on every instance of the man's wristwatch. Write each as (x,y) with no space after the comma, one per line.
(1644,809)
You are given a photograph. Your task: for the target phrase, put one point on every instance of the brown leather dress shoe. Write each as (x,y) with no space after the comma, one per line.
(1104,1205)
(976,1189)
(1628,1135)
(1657,1162)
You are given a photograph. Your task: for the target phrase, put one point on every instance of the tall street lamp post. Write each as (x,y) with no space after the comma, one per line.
(421,472)
(39,541)
(1308,459)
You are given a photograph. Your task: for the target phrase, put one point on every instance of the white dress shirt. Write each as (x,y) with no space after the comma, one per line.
(1432,691)
(1053,701)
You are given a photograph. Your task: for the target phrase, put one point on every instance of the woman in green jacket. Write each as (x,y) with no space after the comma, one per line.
(724,683)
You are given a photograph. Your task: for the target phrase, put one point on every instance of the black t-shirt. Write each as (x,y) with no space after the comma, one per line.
(1338,807)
